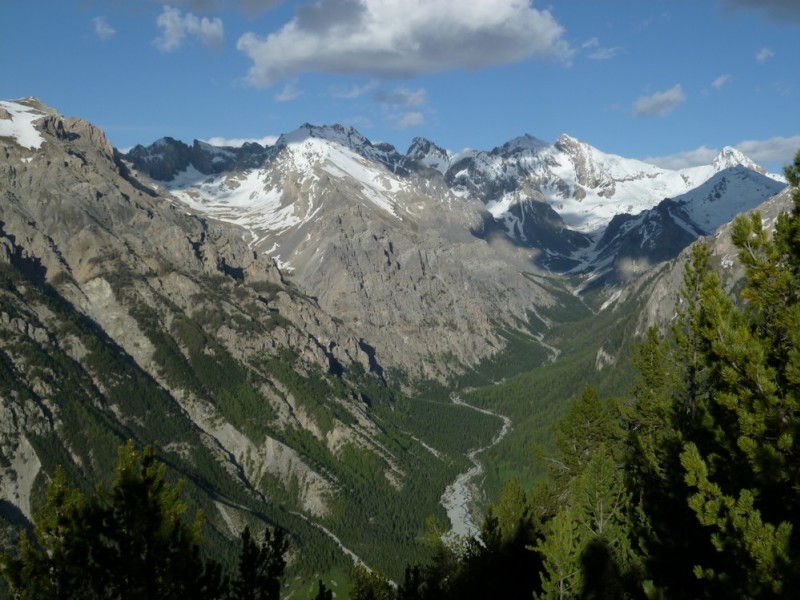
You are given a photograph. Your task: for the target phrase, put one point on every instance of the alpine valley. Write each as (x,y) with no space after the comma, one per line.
(319,334)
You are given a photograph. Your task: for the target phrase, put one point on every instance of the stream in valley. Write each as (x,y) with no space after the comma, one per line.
(458,497)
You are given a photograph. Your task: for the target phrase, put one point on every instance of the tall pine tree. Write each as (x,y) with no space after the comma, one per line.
(714,452)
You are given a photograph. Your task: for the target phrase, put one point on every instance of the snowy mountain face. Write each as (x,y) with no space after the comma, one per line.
(17,122)
(284,190)
(584,185)
(424,153)
(633,243)
(568,203)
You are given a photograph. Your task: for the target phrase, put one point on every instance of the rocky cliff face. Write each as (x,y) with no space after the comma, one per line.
(125,315)
(393,253)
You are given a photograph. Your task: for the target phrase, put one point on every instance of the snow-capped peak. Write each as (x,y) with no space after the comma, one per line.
(523,143)
(427,153)
(344,135)
(566,141)
(731,157)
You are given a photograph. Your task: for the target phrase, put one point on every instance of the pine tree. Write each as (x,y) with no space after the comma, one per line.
(261,566)
(586,547)
(128,541)
(745,468)
(54,564)
(725,432)
(669,401)
(323,593)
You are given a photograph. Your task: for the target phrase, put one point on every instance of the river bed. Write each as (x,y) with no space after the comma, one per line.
(459,496)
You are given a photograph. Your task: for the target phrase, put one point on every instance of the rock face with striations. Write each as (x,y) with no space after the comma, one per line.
(123,315)
(391,252)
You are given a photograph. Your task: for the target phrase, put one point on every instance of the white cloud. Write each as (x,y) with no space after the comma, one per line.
(776,149)
(599,52)
(390,38)
(659,104)
(175,27)
(267,140)
(764,55)
(682,160)
(605,53)
(288,93)
(773,150)
(402,97)
(720,81)
(409,120)
(356,90)
(102,28)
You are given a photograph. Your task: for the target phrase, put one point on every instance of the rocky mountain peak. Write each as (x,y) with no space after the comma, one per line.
(36,104)
(425,152)
(522,144)
(731,157)
(421,146)
(162,159)
(166,157)
(343,135)
(580,153)
(567,143)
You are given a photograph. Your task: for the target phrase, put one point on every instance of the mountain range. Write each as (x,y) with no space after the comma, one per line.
(286,324)
(380,237)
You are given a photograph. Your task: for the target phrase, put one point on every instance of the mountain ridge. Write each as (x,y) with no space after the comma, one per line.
(325,195)
(560,192)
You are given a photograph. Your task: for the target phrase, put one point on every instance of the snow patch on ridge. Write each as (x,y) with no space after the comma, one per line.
(241,199)
(260,200)
(21,124)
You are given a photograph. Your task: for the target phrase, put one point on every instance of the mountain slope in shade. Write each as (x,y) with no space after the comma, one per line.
(632,244)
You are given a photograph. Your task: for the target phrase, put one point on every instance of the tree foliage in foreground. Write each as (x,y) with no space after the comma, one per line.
(131,541)
(719,424)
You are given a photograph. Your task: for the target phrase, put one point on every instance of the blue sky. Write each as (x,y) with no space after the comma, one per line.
(672,81)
